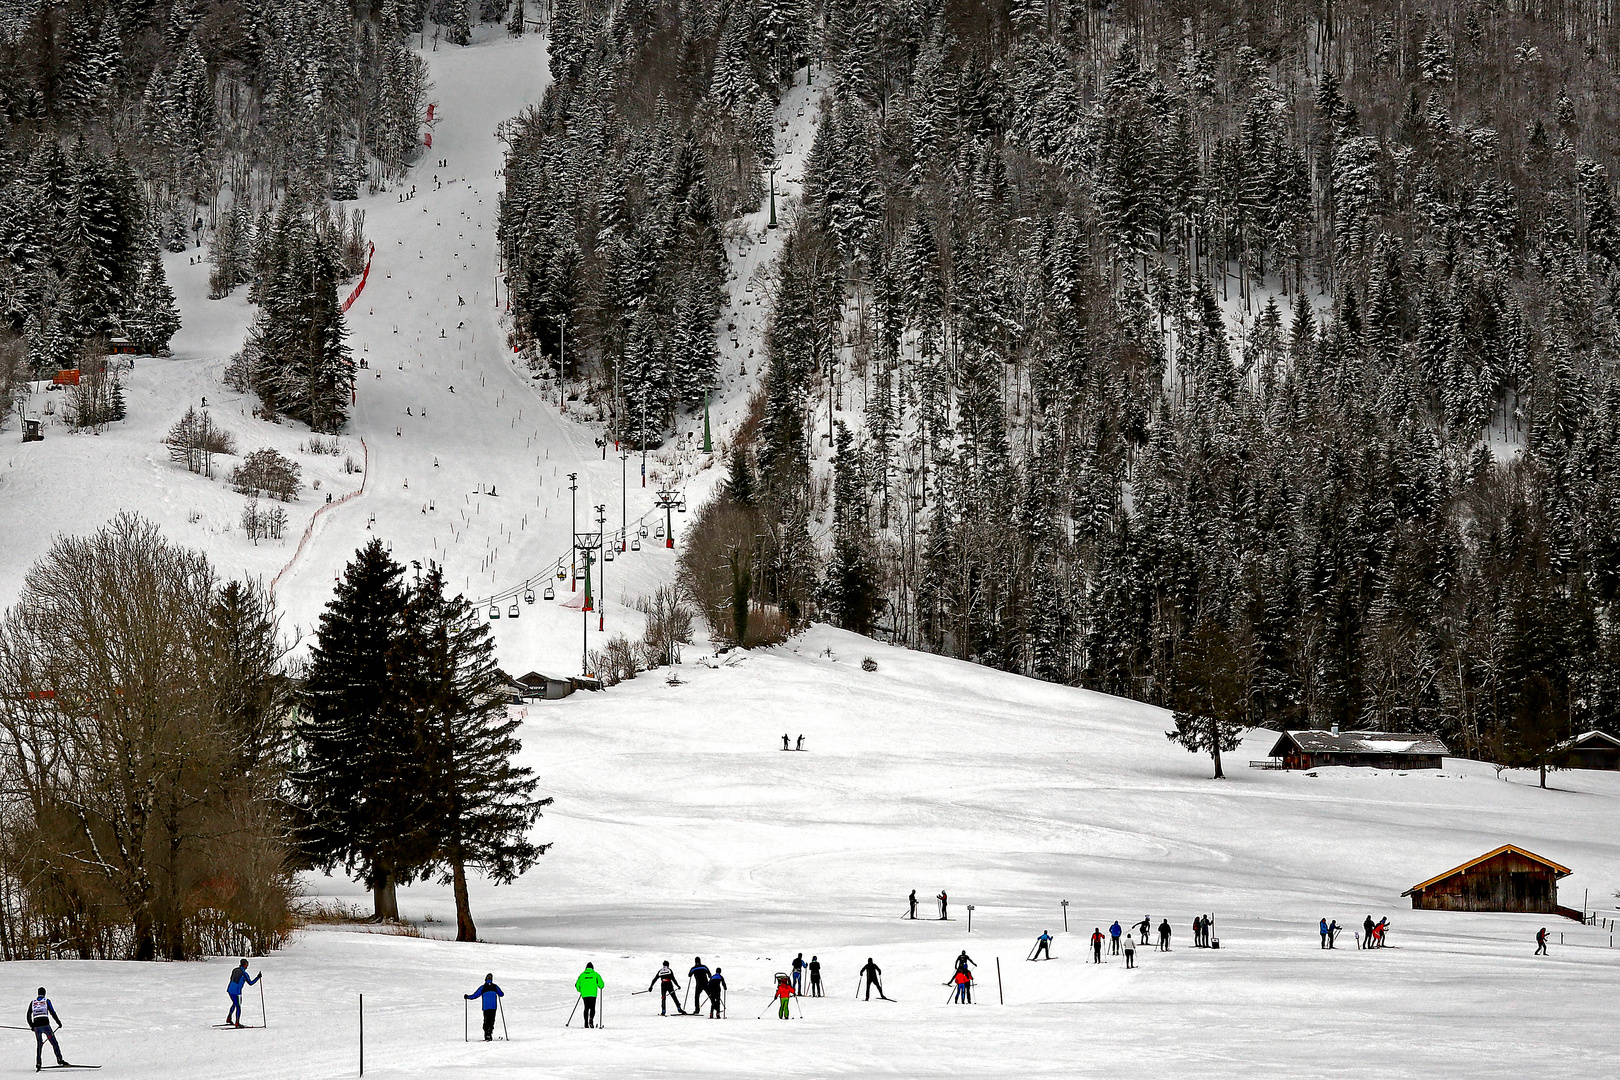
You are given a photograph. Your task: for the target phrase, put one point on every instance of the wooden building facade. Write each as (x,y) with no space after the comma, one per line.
(1507,879)
(1371,749)
(1593,750)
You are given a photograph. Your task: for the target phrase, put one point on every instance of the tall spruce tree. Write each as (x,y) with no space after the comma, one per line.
(364,787)
(482,802)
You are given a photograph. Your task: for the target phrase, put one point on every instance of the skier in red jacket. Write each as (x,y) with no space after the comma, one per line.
(1096,945)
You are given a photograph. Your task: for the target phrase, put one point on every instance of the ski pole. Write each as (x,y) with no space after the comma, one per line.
(499,1004)
(466,1032)
(767,1008)
(575,1009)
(601,1010)
(264,1021)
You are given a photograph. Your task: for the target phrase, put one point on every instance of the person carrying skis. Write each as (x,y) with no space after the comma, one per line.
(1164,936)
(1144,926)
(798,974)
(40,1014)
(943,901)
(1130,952)
(1096,944)
(239,978)
(784,995)
(491,995)
(963,981)
(589,985)
(1541,942)
(1043,944)
(815,978)
(697,977)
(874,977)
(669,990)
(717,989)
(1113,934)
(913,904)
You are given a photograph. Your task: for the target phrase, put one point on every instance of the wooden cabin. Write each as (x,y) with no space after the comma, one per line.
(1593,750)
(1507,879)
(1369,749)
(538,687)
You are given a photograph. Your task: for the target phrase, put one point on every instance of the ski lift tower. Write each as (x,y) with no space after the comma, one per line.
(669,499)
(586,543)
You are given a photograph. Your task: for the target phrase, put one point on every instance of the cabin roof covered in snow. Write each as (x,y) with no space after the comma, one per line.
(1358,742)
(1592,740)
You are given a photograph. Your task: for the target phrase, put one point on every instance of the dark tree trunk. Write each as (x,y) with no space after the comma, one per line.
(1215,746)
(384,900)
(465,930)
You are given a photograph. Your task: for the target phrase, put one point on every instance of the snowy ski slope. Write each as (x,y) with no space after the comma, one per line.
(682,829)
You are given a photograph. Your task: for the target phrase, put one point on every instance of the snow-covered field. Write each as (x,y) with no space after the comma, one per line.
(681,829)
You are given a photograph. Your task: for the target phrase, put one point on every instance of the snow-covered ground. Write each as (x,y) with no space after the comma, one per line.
(683,830)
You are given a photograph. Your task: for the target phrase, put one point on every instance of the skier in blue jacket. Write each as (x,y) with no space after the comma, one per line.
(1113,933)
(40,1014)
(239,978)
(492,995)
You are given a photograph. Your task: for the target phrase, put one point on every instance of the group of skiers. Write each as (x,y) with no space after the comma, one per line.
(1371,937)
(700,980)
(942,900)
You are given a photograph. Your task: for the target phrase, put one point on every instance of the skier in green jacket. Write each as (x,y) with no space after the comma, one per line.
(589,984)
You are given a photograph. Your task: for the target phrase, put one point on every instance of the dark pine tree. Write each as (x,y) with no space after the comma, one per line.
(364,783)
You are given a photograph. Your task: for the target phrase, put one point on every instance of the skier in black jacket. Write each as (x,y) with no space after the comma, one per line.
(874,977)
(668,989)
(697,977)
(40,1014)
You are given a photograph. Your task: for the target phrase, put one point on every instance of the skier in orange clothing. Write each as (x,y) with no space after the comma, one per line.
(963,983)
(1096,945)
(784,995)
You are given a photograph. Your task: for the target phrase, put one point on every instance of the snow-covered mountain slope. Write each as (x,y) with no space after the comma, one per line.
(682,829)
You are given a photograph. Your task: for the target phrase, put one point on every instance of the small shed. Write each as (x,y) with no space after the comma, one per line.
(1593,750)
(538,687)
(1507,879)
(1373,749)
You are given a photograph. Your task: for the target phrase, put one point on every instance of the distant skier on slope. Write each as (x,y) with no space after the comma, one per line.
(943,902)
(1096,944)
(668,988)
(1144,927)
(491,995)
(1366,933)
(785,742)
(1164,936)
(964,961)
(912,901)
(1541,942)
(1323,930)
(697,977)
(964,982)
(815,977)
(798,974)
(1043,947)
(717,989)
(1130,952)
(589,985)
(239,977)
(1113,933)
(1333,932)
(40,1014)
(784,994)
(874,977)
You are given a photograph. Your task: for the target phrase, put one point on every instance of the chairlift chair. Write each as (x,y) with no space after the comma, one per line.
(528,596)
(644,530)
(494,612)
(512,612)
(550,593)
(607,553)
(635,545)
(660,531)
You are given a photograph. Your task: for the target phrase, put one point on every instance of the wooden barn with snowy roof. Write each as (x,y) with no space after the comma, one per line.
(1507,879)
(1592,750)
(1371,749)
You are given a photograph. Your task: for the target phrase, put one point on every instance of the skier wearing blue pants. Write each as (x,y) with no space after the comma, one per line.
(40,1014)
(492,995)
(239,979)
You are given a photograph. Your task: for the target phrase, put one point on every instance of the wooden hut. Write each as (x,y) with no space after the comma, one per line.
(1372,749)
(539,687)
(1507,879)
(1593,750)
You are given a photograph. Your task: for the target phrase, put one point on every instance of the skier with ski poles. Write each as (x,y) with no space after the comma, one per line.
(697,980)
(589,984)
(784,994)
(943,902)
(798,973)
(668,989)
(963,981)
(1164,936)
(874,977)
(717,989)
(815,977)
(1096,944)
(1043,944)
(1113,934)
(964,961)
(491,995)
(1130,952)
(239,977)
(1143,927)
(913,904)
(40,1014)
